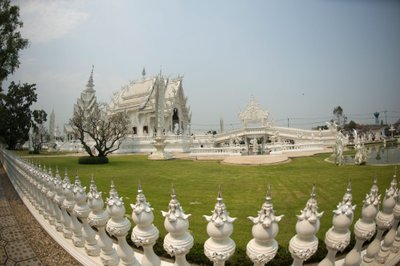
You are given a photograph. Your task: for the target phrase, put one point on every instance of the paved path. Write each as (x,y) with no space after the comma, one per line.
(22,240)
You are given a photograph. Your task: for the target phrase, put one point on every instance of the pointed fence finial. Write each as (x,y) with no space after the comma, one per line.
(263,247)
(139,190)
(268,197)
(173,193)
(113,191)
(219,247)
(219,197)
(313,192)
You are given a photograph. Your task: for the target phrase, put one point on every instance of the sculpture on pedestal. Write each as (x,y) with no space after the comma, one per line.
(361,153)
(159,140)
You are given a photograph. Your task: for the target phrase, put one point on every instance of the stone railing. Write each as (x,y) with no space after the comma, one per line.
(216,151)
(78,221)
(285,147)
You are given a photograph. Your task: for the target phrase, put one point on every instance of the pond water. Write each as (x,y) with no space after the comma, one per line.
(379,154)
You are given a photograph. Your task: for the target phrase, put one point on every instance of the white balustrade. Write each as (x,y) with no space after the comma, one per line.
(119,226)
(82,210)
(178,241)
(263,247)
(304,244)
(219,247)
(338,236)
(59,199)
(144,234)
(391,204)
(98,218)
(69,215)
(384,221)
(365,227)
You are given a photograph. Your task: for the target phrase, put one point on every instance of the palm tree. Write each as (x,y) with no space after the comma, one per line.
(338,112)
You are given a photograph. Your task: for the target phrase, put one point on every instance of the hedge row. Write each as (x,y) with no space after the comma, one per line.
(92,160)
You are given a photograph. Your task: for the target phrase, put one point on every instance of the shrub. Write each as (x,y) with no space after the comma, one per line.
(92,160)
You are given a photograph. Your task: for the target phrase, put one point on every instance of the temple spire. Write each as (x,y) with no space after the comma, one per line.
(90,84)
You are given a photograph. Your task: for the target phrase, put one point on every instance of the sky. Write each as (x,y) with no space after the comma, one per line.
(298,59)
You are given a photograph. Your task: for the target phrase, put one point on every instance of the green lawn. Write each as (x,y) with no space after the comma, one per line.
(243,188)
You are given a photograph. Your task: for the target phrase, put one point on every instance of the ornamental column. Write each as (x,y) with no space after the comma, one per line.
(219,247)
(50,197)
(98,218)
(365,227)
(390,236)
(58,199)
(384,220)
(338,236)
(119,226)
(178,241)
(144,233)
(82,210)
(69,203)
(263,247)
(304,244)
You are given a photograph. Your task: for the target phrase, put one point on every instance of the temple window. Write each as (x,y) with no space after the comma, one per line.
(134,130)
(145,130)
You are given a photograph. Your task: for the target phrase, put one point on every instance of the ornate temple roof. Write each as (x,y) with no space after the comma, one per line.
(139,95)
(253,114)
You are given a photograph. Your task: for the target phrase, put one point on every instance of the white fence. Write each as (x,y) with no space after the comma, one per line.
(69,214)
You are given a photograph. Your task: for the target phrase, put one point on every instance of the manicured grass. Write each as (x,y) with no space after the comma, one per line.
(243,188)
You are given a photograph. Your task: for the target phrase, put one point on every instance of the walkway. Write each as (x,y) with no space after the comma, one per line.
(22,240)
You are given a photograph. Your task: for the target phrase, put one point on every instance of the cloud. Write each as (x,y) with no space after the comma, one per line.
(46,20)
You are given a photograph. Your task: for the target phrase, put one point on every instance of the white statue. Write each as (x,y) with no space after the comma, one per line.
(361,154)
(338,149)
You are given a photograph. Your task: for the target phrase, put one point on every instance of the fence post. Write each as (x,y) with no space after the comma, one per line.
(58,199)
(178,241)
(304,244)
(69,204)
(365,227)
(263,247)
(119,226)
(219,247)
(50,196)
(384,220)
(390,236)
(82,210)
(144,233)
(98,218)
(338,236)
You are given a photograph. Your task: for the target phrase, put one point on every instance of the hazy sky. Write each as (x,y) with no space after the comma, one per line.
(299,59)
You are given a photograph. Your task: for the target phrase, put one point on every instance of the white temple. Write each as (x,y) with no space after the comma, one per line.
(153,117)
(138,100)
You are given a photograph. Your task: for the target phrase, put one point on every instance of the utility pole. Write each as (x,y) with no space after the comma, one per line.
(385,117)
(288,122)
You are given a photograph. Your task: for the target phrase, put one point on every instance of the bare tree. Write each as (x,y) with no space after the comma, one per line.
(106,131)
(338,112)
(39,131)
